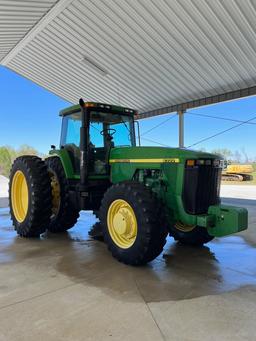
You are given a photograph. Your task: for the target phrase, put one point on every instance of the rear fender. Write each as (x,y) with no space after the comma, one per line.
(66,162)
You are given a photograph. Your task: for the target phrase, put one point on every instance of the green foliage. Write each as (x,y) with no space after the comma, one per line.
(8,154)
(226,153)
(5,161)
(26,150)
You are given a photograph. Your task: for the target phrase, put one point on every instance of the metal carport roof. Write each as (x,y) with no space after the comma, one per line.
(147,54)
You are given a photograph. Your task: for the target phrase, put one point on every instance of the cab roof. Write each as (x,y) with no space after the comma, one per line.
(98,106)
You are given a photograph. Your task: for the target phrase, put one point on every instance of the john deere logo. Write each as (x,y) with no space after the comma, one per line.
(171,160)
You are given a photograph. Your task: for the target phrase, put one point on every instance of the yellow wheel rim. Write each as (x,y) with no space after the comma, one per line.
(122,224)
(19,196)
(184,227)
(55,195)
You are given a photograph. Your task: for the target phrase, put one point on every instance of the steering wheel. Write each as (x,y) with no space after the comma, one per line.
(108,131)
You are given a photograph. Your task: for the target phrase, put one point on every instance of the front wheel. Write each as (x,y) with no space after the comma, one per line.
(134,226)
(190,234)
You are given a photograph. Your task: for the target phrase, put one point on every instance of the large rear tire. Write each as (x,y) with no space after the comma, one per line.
(133,223)
(30,196)
(64,215)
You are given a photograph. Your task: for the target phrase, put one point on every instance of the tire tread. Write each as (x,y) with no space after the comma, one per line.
(38,217)
(68,215)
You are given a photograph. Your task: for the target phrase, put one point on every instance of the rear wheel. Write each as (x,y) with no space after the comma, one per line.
(30,196)
(63,215)
(133,224)
(190,234)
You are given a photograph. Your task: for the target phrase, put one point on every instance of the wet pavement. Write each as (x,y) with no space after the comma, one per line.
(68,287)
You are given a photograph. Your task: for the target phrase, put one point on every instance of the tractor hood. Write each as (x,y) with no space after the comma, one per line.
(156,154)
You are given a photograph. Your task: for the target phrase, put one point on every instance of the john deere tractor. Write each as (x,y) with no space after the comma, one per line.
(140,194)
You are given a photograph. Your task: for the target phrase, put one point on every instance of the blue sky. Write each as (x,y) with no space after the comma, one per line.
(29,115)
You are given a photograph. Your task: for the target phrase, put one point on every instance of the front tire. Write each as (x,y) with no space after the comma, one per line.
(64,215)
(190,235)
(133,223)
(30,196)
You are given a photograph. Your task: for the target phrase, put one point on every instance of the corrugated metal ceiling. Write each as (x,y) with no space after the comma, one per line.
(145,54)
(17,18)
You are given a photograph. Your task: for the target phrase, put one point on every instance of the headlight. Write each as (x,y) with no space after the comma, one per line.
(203,162)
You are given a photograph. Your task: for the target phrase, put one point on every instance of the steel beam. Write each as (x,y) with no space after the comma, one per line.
(228,96)
(181,128)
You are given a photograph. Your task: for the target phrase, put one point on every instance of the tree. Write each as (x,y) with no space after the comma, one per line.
(9,154)
(237,156)
(5,161)
(224,152)
(12,152)
(26,150)
(246,159)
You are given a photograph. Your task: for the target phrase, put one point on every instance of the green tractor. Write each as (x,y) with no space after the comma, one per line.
(140,194)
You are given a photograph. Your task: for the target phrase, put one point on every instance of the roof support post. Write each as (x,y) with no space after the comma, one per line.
(181,128)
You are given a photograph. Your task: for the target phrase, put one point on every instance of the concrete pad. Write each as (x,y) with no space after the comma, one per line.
(226,317)
(46,297)
(243,196)
(239,191)
(79,312)
(68,287)
(3,186)
(4,202)
(4,182)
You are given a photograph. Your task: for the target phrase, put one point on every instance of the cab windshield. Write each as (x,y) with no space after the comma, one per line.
(120,127)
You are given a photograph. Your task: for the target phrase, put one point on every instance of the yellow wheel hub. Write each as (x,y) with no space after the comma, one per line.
(184,227)
(122,224)
(19,196)
(55,194)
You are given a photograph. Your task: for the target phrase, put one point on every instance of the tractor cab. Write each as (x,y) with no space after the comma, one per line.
(108,126)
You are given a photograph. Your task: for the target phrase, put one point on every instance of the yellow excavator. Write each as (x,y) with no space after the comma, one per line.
(236,172)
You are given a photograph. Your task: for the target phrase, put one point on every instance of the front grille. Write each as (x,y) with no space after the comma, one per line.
(201,188)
